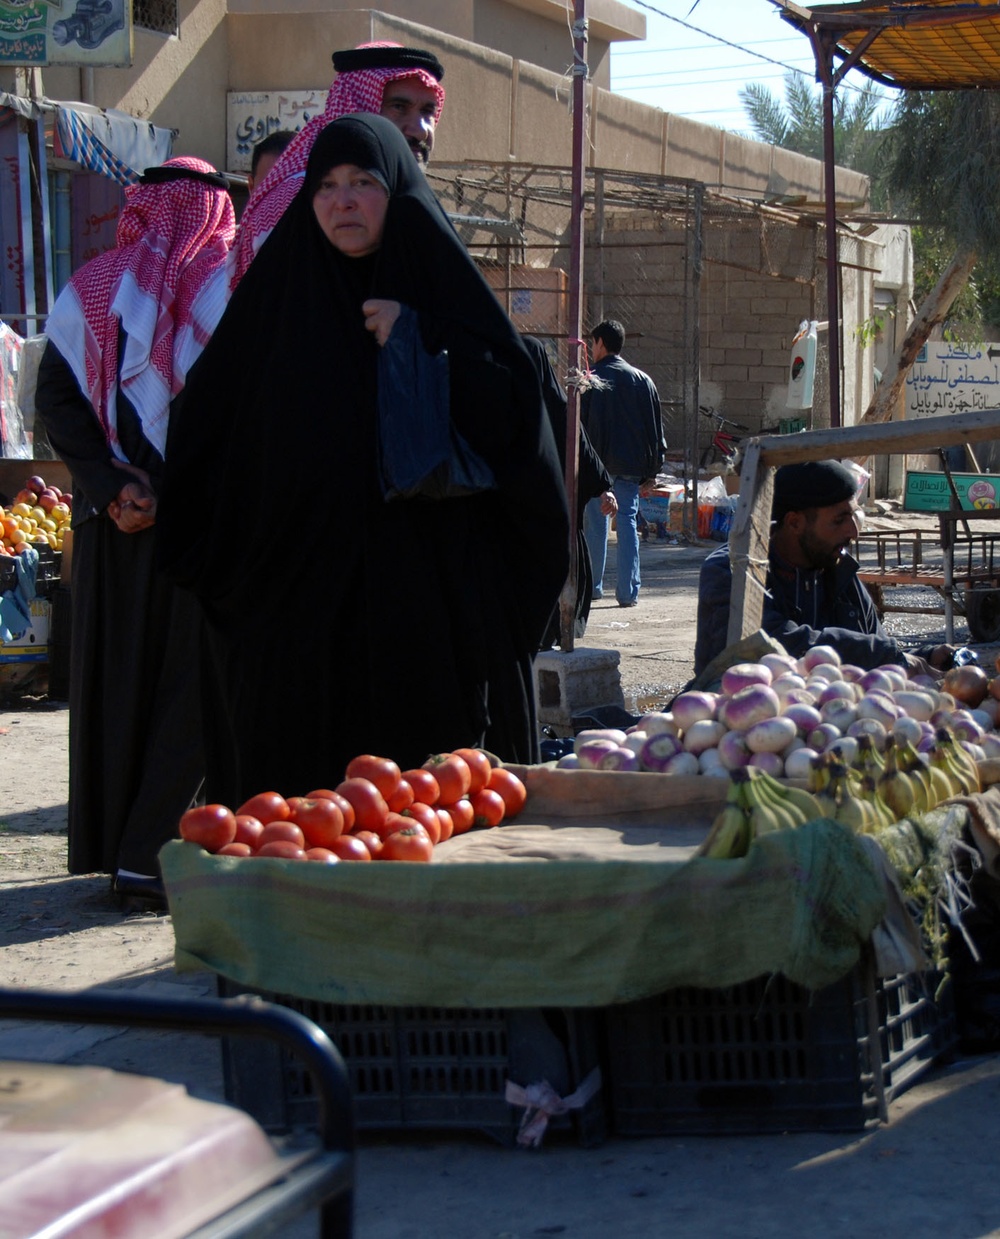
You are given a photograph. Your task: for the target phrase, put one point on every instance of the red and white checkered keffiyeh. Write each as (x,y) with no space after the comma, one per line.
(171,237)
(357,91)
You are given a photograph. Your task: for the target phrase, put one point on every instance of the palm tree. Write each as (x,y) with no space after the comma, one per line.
(796,123)
(945,167)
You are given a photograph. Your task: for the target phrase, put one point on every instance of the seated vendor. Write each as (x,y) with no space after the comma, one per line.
(813,595)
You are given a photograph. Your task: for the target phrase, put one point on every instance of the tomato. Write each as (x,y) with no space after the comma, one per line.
(424,784)
(412,844)
(321,821)
(427,817)
(392,822)
(350,847)
(479,766)
(343,805)
(323,855)
(248,829)
(211,826)
(235,849)
(370,809)
(282,832)
(371,841)
(510,787)
(284,849)
(453,776)
(266,807)
(401,798)
(488,806)
(382,771)
(462,815)
(446,823)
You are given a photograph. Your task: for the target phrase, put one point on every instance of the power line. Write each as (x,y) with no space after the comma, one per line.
(715,37)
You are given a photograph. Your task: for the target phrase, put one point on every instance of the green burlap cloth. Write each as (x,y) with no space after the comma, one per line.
(547,925)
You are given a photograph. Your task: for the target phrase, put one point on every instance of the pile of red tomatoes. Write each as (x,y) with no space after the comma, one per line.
(377,812)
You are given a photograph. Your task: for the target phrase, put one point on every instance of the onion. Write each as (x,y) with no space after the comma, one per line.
(709,759)
(742,675)
(658,750)
(750,705)
(869,727)
(846,748)
(778,664)
(682,763)
(838,689)
(692,707)
(619,759)
(967,684)
(821,737)
(770,762)
(918,705)
(783,685)
(840,713)
(657,722)
(803,716)
(907,730)
(798,765)
(876,680)
(733,751)
(591,752)
(770,736)
(818,655)
(880,707)
(598,733)
(705,734)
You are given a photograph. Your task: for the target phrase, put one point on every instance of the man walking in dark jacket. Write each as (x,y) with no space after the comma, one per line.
(621,414)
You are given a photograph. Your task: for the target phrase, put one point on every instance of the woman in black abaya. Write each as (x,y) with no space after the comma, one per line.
(340,623)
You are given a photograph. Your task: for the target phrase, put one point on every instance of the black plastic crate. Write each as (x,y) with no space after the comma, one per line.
(423,1067)
(769,1055)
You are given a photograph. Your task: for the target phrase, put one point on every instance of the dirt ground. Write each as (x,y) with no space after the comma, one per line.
(922,1174)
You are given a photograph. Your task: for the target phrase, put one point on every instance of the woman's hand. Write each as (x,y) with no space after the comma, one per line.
(380,317)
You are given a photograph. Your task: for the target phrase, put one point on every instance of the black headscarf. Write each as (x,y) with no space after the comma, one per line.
(271,505)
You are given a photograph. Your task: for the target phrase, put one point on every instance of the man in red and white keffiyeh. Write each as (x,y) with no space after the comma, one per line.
(401,83)
(174,232)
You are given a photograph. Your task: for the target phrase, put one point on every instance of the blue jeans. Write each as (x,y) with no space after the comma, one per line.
(595,530)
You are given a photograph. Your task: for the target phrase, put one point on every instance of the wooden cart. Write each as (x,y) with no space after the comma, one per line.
(750,533)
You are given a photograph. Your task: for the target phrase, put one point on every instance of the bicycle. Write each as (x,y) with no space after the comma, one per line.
(724,448)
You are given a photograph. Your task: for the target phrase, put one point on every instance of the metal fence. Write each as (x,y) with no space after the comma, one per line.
(710,288)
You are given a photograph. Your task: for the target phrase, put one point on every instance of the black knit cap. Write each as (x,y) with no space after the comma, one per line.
(353,58)
(812,484)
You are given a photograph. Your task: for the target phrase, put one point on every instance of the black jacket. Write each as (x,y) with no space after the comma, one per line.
(622,419)
(801,609)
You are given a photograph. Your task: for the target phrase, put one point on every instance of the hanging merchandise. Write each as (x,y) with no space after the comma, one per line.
(802,372)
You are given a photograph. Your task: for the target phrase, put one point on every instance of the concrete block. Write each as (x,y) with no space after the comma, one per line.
(575,682)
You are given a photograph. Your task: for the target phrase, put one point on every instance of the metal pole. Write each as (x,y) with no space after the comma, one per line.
(567,601)
(824,63)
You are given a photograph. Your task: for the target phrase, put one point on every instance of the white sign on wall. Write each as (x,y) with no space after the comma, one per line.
(953,378)
(253,115)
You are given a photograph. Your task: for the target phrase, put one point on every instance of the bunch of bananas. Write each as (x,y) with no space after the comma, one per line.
(755,804)
(876,790)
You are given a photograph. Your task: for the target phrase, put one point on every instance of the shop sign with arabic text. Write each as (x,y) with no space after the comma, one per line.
(66,32)
(253,115)
(953,378)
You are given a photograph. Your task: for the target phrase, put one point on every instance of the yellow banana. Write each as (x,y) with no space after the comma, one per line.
(729,836)
(896,789)
(962,765)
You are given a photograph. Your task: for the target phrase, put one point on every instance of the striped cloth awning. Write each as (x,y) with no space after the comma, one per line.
(111,143)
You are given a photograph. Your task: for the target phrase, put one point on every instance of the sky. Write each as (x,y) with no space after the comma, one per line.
(695,59)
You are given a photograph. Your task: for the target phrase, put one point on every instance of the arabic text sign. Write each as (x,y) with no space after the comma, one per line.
(930,492)
(253,115)
(953,378)
(66,32)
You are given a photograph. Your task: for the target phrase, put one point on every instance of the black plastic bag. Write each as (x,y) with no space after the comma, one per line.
(420,451)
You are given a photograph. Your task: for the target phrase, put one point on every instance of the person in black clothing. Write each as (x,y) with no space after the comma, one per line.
(400,613)
(620,410)
(593,482)
(813,595)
